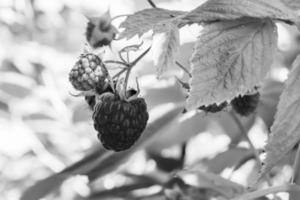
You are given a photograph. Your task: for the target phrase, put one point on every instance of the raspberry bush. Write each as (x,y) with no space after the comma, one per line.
(225,82)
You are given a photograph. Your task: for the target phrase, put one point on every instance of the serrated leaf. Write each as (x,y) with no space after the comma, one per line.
(214,10)
(285,131)
(230,58)
(165,46)
(145,20)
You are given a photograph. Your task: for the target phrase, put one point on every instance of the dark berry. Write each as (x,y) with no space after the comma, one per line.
(119,122)
(245,105)
(88,72)
(213,108)
(100,32)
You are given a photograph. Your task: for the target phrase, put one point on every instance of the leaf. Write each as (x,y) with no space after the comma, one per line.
(214,10)
(99,162)
(285,130)
(294,4)
(144,20)
(165,46)
(210,180)
(230,58)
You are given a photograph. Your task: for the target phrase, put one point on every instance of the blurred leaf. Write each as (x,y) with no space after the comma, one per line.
(215,10)
(225,51)
(229,158)
(294,4)
(217,183)
(285,130)
(165,46)
(145,20)
(38,116)
(15,90)
(81,113)
(97,164)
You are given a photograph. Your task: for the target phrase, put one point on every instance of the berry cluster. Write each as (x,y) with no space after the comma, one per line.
(119,115)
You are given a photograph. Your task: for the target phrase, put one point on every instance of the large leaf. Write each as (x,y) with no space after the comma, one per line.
(99,162)
(214,10)
(165,46)
(285,132)
(294,4)
(145,20)
(230,58)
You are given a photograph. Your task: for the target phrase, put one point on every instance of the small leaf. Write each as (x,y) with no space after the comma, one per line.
(144,20)
(285,132)
(165,46)
(230,58)
(215,10)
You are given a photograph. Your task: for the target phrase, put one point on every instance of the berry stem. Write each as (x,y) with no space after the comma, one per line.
(132,64)
(116,62)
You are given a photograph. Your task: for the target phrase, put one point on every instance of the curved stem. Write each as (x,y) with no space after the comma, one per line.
(252,147)
(183,68)
(115,62)
(272,190)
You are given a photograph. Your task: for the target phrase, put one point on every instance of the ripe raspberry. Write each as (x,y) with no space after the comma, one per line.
(245,105)
(88,73)
(119,122)
(213,108)
(100,32)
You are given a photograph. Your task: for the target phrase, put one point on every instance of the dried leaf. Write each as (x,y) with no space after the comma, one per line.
(145,20)
(165,46)
(215,10)
(230,58)
(285,130)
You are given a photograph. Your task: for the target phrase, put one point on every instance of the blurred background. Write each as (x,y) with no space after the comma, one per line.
(44,129)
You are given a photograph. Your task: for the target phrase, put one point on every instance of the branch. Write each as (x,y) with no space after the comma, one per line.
(152,3)
(272,190)
(296,175)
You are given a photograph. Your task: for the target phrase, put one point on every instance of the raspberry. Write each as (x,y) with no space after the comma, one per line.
(245,105)
(213,108)
(100,32)
(89,72)
(119,122)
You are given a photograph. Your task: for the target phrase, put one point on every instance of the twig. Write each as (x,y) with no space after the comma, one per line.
(119,73)
(152,3)
(252,147)
(115,62)
(272,190)
(296,175)
(183,68)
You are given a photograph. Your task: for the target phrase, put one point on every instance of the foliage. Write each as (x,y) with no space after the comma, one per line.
(49,148)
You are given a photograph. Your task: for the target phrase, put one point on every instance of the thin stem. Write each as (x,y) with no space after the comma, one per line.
(140,57)
(252,147)
(296,175)
(119,73)
(183,68)
(115,62)
(126,80)
(272,190)
(152,3)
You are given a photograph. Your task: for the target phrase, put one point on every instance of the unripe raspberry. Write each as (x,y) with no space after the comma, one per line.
(100,32)
(119,122)
(88,72)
